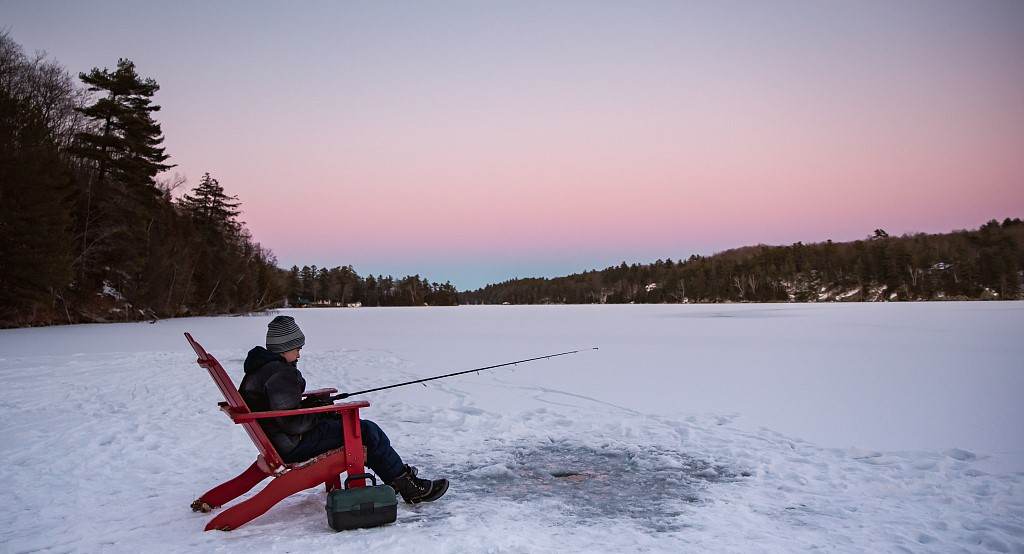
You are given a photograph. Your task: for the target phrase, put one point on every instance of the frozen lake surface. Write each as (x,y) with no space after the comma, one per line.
(775,427)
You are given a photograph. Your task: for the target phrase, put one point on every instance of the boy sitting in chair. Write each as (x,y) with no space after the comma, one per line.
(273,382)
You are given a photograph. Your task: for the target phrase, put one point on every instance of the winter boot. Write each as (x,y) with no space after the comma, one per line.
(415,490)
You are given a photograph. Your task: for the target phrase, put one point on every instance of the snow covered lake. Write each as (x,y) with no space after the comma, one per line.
(737,428)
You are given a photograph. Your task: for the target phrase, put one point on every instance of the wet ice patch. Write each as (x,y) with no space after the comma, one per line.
(649,486)
(494,472)
(959,454)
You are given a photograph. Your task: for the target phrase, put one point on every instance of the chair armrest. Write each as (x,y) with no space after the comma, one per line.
(319,392)
(253,416)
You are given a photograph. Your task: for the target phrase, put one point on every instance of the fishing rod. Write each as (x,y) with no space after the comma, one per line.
(477,370)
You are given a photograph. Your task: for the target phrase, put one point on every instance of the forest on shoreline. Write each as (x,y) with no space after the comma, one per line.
(981,264)
(90,231)
(95,231)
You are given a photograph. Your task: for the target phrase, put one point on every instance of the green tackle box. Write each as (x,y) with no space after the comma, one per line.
(368,506)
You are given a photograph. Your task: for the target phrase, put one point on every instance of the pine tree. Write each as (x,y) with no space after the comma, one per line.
(307,276)
(293,284)
(120,200)
(323,284)
(127,148)
(212,209)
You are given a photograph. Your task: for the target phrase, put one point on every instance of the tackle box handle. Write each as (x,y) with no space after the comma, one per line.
(361,476)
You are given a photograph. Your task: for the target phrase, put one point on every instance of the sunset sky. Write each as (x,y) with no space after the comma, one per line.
(480,141)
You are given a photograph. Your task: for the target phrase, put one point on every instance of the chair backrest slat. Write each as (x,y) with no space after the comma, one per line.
(236,402)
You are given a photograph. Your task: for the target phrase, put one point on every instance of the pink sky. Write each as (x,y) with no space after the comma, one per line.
(476,142)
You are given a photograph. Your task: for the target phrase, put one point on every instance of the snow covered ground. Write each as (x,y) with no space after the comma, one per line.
(725,428)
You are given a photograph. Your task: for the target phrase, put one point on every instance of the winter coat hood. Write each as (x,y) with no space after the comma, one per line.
(259,357)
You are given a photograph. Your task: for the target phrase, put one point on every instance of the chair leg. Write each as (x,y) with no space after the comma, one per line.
(353,443)
(281,487)
(226,492)
(355,452)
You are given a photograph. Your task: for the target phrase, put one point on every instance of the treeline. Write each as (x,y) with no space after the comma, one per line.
(980,264)
(342,286)
(89,231)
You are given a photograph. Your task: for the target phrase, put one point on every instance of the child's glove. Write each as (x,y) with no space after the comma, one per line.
(315,401)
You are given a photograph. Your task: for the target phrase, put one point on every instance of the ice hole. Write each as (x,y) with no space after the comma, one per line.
(651,486)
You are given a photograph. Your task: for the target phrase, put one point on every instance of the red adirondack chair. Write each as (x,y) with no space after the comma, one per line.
(288,478)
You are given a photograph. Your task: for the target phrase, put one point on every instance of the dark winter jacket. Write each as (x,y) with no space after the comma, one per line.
(270,383)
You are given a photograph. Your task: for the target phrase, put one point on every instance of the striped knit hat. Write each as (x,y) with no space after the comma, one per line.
(284,335)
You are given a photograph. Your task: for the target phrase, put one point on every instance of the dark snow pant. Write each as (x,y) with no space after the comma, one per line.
(380,457)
